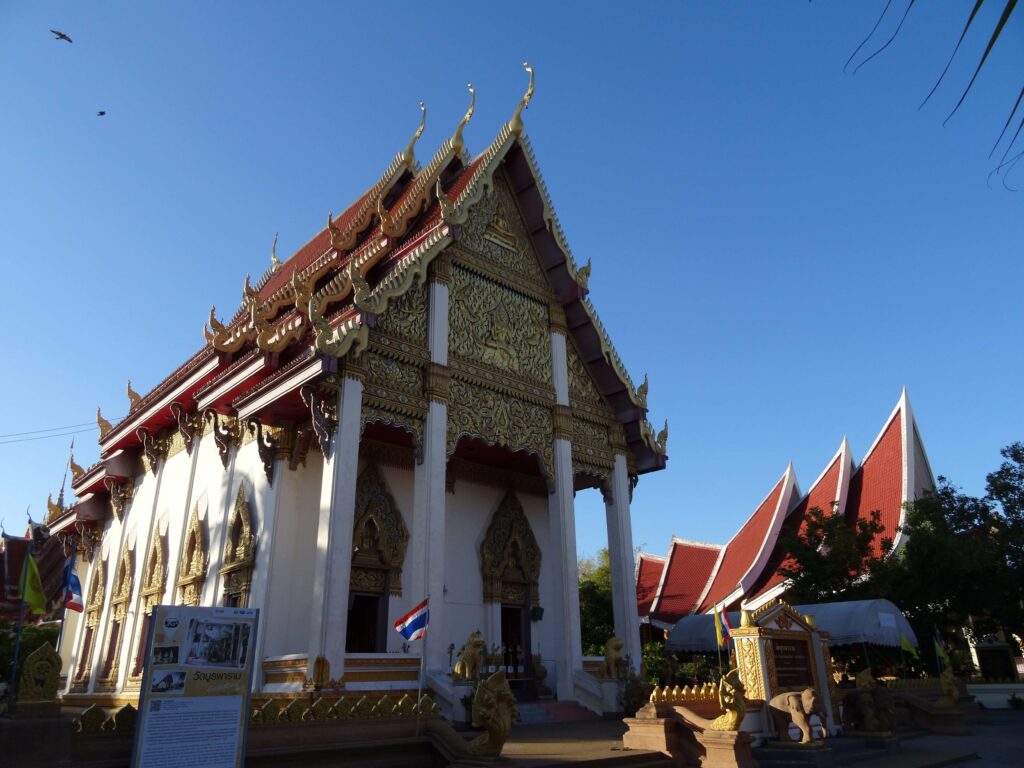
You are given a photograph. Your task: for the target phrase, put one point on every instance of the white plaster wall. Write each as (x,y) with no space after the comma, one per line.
(211,488)
(176,502)
(289,595)
(469,513)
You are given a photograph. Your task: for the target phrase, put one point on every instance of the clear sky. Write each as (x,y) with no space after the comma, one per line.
(780,245)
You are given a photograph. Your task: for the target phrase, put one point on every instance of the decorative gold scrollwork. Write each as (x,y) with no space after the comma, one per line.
(509,555)
(266,445)
(226,433)
(121,493)
(323,408)
(379,537)
(195,558)
(239,554)
(188,425)
(154,447)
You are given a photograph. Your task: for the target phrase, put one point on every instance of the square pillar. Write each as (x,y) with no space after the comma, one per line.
(620,555)
(333,569)
(568,651)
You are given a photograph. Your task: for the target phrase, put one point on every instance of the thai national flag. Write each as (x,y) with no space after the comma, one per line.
(413,625)
(72,587)
(726,626)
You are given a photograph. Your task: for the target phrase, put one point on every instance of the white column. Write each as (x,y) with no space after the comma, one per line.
(333,569)
(429,521)
(620,551)
(218,515)
(568,651)
(429,531)
(261,573)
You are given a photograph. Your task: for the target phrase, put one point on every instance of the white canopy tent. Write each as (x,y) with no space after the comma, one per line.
(878,622)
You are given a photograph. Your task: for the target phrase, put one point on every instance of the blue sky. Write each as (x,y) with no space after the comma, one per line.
(780,245)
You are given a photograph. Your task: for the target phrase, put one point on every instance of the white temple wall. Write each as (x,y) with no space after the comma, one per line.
(172,515)
(212,481)
(400,483)
(289,595)
(469,513)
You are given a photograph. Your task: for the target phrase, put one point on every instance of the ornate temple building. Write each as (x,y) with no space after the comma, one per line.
(700,578)
(404,408)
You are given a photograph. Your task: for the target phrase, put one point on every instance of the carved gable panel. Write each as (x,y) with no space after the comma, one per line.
(494,325)
(582,389)
(406,316)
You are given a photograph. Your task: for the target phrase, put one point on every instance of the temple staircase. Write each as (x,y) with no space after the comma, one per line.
(550,711)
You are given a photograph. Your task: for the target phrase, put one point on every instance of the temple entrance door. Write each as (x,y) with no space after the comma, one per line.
(515,641)
(367,615)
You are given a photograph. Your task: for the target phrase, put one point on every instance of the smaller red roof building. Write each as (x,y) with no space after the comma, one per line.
(697,578)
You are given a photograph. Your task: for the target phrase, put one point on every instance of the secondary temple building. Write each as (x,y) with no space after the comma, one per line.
(700,578)
(403,408)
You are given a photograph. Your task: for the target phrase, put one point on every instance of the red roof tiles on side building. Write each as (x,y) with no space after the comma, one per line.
(648,575)
(687,570)
(879,482)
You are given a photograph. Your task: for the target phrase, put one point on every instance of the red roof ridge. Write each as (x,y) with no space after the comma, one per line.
(692,543)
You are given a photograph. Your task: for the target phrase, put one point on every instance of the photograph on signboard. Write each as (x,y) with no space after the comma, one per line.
(215,643)
(165,654)
(172,681)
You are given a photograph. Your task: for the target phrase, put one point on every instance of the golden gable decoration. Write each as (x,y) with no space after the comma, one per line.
(510,556)
(195,558)
(379,537)
(239,554)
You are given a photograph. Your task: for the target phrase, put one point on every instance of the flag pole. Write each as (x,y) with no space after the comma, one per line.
(64,597)
(423,665)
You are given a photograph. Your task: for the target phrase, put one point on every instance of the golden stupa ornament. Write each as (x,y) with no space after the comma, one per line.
(133,396)
(457,141)
(274,261)
(103,424)
(409,155)
(515,125)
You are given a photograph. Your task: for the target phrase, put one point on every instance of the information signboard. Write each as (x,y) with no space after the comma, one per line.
(194,704)
(793,663)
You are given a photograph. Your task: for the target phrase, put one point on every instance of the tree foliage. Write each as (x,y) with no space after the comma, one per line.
(597,619)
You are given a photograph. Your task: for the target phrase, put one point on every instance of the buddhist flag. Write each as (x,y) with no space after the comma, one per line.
(722,628)
(905,644)
(940,648)
(32,586)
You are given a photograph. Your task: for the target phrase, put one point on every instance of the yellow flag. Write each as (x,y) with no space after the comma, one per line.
(905,642)
(32,587)
(718,629)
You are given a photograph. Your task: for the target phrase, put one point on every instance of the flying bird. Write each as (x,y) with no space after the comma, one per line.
(101,113)
(60,35)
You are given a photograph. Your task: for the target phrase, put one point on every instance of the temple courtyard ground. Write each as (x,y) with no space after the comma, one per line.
(995,741)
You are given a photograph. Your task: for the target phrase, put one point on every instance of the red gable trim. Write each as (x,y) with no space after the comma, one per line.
(684,579)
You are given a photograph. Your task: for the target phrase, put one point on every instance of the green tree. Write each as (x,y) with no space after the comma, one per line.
(597,619)
(831,557)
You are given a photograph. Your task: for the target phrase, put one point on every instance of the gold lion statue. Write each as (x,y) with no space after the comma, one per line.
(612,666)
(494,710)
(470,655)
(731,698)
(950,691)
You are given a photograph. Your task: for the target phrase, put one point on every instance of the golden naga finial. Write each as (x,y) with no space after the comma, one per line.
(447,205)
(133,396)
(515,125)
(409,155)
(388,225)
(248,292)
(457,141)
(662,439)
(54,509)
(274,261)
(641,391)
(103,424)
(583,275)
(76,471)
(215,324)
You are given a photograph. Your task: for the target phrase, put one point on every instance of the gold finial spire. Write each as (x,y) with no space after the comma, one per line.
(102,423)
(641,391)
(457,141)
(274,261)
(133,396)
(516,123)
(247,291)
(409,156)
(54,509)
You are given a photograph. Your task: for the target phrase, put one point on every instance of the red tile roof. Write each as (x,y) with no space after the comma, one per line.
(743,549)
(686,575)
(878,483)
(648,576)
(822,494)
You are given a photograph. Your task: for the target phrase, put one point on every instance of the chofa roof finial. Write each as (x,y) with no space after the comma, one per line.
(457,141)
(274,261)
(516,123)
(409,155)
